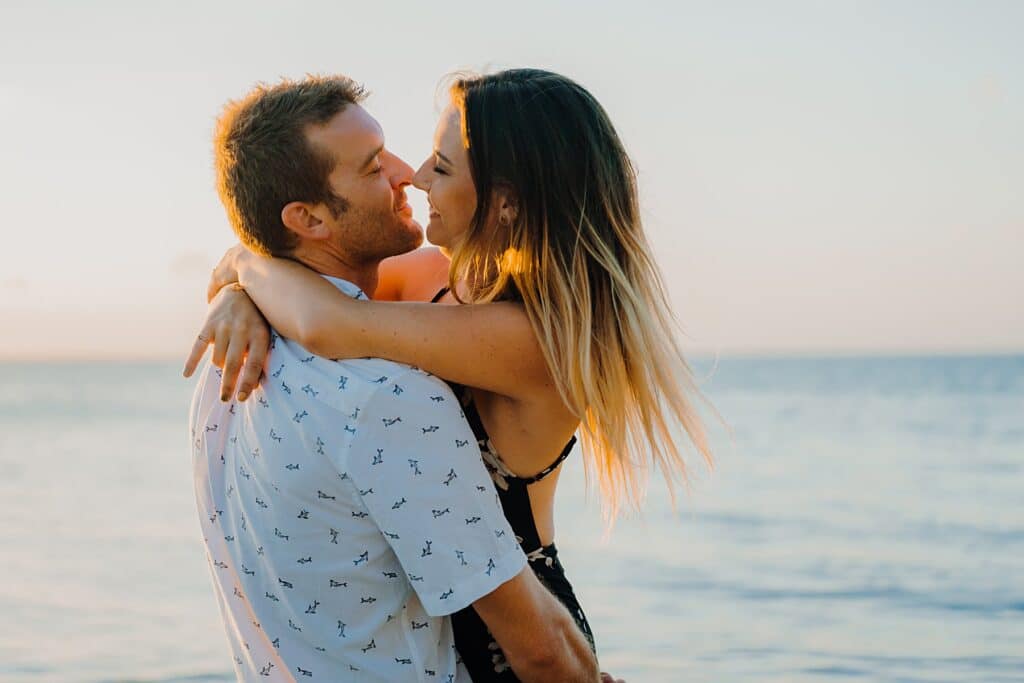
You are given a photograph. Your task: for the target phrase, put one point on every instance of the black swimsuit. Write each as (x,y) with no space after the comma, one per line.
(479,651)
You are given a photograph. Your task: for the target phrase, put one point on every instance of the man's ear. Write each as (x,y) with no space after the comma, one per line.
(301,218)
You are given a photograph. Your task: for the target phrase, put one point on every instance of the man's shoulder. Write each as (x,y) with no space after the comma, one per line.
(403,388)
(373,379)
(408,412)
(344,384)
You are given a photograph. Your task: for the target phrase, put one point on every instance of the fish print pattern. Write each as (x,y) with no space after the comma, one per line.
(363,460)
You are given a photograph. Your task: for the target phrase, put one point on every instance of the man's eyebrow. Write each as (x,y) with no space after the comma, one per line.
(443,157)
(370,158)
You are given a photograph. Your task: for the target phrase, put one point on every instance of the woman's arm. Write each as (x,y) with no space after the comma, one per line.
(488,346)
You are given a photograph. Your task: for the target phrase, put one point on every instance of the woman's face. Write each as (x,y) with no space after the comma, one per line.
(446,178)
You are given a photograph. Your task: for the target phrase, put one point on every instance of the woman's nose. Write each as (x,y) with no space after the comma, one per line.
(421,179)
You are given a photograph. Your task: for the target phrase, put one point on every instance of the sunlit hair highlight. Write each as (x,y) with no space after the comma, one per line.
(577,258)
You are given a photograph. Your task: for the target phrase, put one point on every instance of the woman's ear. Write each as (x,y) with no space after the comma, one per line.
(508,207)
(300,218)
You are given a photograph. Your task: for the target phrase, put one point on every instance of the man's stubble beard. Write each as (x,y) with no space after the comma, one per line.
(372,236)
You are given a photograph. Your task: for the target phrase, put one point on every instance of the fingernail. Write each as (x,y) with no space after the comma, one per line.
(242,395)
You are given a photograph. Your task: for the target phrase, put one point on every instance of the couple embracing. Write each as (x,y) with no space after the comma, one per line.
(378,439)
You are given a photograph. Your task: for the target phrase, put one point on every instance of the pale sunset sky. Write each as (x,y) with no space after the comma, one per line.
(817,177)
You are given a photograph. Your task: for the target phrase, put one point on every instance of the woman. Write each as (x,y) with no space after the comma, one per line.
(535,200)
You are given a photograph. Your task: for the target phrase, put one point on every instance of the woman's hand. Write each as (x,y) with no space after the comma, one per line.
(226,272)
(237,330)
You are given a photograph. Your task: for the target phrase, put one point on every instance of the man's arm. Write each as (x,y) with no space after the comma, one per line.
(431,494)
(435,503)
(539,637)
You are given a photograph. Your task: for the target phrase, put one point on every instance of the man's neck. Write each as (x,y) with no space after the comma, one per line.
(362,275)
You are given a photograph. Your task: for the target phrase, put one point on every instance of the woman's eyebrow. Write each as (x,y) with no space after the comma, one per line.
(443,158)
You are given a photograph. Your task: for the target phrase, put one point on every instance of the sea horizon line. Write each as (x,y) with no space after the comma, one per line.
(696,356)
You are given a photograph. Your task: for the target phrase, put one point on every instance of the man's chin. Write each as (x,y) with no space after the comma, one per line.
(415,231)
(404,238)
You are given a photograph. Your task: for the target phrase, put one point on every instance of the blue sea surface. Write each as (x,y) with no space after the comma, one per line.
(864,522)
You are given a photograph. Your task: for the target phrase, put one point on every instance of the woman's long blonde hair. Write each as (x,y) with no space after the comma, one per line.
(577,258)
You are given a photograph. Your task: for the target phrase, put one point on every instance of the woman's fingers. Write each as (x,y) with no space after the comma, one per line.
(232,365)
(203,340)
(240,338)
(259,347)
(221,338)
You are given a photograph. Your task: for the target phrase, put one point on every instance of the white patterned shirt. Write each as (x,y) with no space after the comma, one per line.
(346,512)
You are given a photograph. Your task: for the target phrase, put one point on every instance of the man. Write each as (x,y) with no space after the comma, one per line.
(344,512)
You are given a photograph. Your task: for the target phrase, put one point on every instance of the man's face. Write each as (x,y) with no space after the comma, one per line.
(378,222)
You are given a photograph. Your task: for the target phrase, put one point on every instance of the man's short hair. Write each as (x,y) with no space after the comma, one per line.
(264,160)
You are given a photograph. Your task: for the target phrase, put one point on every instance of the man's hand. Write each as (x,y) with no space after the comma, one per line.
(226,272)
(238,331)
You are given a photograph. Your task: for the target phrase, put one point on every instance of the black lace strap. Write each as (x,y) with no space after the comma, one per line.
(477,425)
(553,466)
(437,297)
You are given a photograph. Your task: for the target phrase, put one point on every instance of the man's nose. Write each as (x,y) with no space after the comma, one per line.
(401,173)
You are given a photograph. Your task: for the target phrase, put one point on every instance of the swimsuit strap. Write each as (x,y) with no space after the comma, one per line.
(476,423)
(551,468)
(437,297)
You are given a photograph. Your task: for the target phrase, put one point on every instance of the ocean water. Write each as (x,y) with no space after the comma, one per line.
(864,522)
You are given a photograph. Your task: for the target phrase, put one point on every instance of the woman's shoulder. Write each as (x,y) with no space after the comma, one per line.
(413,276)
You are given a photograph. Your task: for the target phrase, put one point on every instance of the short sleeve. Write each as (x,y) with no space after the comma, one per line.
(419,472)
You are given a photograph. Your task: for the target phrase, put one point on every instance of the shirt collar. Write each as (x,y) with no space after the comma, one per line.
(346,287)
